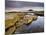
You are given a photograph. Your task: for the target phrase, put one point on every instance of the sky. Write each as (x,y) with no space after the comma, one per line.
(19,4)
(22,5)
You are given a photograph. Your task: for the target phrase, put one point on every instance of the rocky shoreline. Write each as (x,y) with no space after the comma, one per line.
(17,21)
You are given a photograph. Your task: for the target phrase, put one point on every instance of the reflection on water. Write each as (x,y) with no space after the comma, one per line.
(36,26)
(39,21)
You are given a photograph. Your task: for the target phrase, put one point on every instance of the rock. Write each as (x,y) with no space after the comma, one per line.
(18,20)
(10,30)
